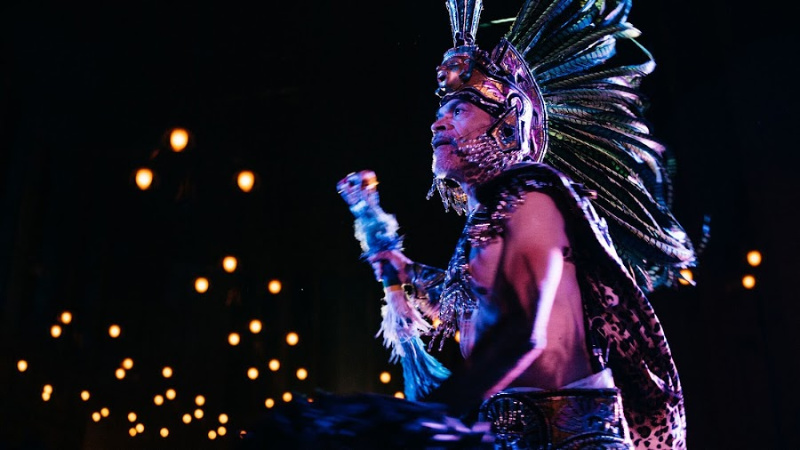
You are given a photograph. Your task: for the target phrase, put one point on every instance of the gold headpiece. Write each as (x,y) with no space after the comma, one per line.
(500,83)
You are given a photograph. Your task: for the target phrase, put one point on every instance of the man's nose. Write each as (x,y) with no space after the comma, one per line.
(439,125)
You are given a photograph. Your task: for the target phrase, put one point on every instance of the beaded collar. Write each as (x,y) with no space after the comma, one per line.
(458,298)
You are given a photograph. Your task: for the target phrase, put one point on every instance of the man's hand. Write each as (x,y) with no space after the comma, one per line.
(401,263)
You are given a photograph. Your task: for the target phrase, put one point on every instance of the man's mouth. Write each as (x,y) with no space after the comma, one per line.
(439,141)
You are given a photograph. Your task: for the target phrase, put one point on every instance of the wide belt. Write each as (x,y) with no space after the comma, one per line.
(568,419)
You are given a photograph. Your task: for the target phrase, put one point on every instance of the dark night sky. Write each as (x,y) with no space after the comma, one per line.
(303,93)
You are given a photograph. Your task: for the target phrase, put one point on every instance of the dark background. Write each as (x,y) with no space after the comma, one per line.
(303,93)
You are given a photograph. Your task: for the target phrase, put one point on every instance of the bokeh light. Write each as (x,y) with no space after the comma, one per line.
(198,413)
(22,365)
(66,317)
(223,418)
(399,394)
(96,416)
(229,264)
(170,394)
(221,431)
(234,339)
(114,331)
(274,286)
(754,257)
(292,338)
(166,372)
(201,285)
(119,373)
(302,374)
(178,139)
(187,418)
(255,326)
(269,403)
(287,396)
(385,377)
(55,331)
(164,432)
(158,399)
(144,178)
(131,416)
(85,395)
(686,277)
(274,365)
(252,373)
(140,427)
(212,434)
(246,180)
(104,412)
(199,400)
(127,363)
(749,281)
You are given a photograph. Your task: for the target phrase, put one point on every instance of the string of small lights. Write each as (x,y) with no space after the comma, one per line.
(158,408)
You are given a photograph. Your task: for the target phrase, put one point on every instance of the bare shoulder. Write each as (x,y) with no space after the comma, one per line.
(537,219)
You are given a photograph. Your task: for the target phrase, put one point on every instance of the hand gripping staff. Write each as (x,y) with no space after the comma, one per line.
(402,323)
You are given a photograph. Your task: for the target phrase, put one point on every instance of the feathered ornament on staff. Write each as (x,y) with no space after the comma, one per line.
(402,325)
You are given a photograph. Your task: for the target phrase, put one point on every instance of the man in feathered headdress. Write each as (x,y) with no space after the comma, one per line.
(542,144)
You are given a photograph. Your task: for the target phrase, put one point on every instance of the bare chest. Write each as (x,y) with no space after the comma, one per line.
(484,264)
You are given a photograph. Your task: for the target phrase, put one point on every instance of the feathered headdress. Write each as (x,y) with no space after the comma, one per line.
(584,115)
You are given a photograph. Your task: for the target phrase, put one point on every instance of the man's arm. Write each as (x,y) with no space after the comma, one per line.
(528,276)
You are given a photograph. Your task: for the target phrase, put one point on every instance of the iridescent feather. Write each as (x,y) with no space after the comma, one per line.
(598,133)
